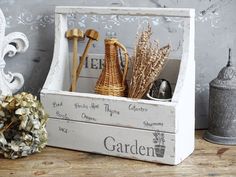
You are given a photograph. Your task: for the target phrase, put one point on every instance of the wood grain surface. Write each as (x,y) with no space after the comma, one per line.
(207,160)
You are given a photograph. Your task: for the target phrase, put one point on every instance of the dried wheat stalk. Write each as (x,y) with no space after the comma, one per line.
(148,62)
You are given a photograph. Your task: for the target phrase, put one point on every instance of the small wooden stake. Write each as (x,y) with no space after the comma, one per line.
(74,34)
(92,35)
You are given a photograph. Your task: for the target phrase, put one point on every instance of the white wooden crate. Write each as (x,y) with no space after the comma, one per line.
(140,129)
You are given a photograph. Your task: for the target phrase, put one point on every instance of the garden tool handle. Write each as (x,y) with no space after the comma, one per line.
(126,59)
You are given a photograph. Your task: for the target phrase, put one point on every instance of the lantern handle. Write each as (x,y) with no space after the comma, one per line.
(229,59)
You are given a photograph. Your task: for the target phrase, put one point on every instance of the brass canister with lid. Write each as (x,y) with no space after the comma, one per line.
(222,107)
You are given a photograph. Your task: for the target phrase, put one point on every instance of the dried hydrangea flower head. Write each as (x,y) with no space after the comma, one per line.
(22,126)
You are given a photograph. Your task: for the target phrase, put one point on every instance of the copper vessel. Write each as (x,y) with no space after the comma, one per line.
(112,81)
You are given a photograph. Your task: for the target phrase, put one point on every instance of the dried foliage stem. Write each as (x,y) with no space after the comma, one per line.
(140,53)
(6,127)
(148,62)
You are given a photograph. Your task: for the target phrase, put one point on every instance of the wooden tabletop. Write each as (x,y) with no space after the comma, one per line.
(207,160)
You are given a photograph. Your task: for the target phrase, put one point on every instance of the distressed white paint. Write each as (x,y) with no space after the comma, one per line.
(92,138)
(170,12)
(187,55)
(10,44)
(82,121)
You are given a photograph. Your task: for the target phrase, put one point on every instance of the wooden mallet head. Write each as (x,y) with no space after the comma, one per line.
(92,34)
(74,33)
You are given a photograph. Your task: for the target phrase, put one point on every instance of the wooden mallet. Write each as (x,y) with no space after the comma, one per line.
(92,35)
(74,34)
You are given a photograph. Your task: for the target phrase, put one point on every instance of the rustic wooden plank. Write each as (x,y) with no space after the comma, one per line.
(185,111)
(136,11)
(58,73)
(187,57)
(115,141)
(105,110)
(207,160)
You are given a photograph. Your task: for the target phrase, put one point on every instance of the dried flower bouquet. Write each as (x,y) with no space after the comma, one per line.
(148,62)
(22,126)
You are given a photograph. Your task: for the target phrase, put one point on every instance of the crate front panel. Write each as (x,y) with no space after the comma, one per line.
(110,110)
(131,143)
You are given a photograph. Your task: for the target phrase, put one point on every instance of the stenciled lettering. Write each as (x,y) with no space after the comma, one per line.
(142,150)
(135,148)
(57,104)
(96,63)
(93,63)
(94,106)
(152,151)
(62,115)
(64,130)
(109,140)
(84,116)
(86,62)
(80,106)
(110,110)
(150,124)
(135,108)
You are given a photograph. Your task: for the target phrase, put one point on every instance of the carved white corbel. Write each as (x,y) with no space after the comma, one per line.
(10,44)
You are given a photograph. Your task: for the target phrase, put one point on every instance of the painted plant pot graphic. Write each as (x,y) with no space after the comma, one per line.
(159,145)
(159,150)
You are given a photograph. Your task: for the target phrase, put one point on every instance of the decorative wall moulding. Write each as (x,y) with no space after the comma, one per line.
(10,44)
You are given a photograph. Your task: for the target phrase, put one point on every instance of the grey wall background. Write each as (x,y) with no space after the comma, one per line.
(215,32)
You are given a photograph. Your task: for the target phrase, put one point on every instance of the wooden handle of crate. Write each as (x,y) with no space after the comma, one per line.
(126,59)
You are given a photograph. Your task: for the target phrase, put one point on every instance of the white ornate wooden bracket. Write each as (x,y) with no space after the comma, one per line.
(10,44)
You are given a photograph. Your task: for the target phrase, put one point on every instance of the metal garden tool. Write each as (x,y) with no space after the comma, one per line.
(92,35)
(160,90)
(74,34)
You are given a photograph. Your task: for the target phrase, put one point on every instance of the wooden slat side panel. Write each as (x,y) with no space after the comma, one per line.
(114,111)
(115,141)
(137,11)
(187,55)
(185,115)
(58,75)
(185,109)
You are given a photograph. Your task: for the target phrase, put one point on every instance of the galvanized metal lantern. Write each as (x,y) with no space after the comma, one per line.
(222,107)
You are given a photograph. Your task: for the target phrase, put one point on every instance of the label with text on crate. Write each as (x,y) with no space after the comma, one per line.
(124,142)
(106,110)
